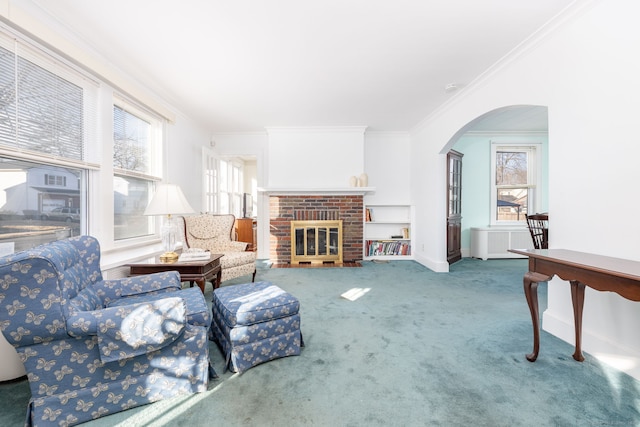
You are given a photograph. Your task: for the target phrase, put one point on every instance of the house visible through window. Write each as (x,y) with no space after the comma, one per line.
(514,184)
(32,213)
(55,180)
(47,113)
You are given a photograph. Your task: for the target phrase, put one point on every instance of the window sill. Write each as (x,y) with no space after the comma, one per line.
(116,257)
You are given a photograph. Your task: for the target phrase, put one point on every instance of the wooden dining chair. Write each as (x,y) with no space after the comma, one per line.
(539,228)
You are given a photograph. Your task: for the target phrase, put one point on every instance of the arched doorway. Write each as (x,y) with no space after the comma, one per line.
(518,127)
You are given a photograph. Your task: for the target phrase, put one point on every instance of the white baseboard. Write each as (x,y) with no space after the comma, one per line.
(437,266)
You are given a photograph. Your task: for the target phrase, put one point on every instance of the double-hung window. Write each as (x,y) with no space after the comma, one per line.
(515,186)
(223,184)
(47,118)
(137,156)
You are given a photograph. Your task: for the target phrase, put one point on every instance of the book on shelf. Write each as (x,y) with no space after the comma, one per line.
(405,233)
(368,215)
(386,247)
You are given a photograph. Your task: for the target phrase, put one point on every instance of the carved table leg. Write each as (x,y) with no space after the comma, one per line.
(577,297)
(201,284)
(530,283)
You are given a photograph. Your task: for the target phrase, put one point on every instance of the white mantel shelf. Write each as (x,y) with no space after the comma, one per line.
(286,191)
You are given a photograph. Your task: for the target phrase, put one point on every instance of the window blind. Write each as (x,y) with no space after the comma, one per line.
(44,106)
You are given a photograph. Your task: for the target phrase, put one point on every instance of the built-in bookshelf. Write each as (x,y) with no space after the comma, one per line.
(387,232)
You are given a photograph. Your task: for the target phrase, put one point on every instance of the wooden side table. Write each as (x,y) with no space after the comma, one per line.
(192,271)
(581,270)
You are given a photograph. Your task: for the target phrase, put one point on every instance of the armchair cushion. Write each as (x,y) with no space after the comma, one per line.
(234,259)
(85,310)
(136,329)
(203,228)
(86,300)
(197,311)
(212,232)
(110,290)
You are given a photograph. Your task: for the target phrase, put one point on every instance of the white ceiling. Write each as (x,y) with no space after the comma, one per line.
(243,65)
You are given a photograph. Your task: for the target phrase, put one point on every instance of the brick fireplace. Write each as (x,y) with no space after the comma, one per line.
(286,208)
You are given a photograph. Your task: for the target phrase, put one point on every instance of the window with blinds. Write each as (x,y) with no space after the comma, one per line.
(47,121)
(42,108)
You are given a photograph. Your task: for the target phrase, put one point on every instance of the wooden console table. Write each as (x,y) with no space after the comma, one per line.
(580,269)
(191,271)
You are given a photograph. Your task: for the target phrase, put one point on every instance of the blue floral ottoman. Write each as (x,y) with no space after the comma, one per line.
(255,323)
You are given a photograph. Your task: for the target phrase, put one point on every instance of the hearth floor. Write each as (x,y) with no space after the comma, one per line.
(310,265)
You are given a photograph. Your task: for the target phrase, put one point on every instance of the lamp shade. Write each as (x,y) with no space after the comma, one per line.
(168,200)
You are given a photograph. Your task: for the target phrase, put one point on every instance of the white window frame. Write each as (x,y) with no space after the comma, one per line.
(86,163)
(96,162)
(214,194)
(155,170)
(534,183)
(156,148)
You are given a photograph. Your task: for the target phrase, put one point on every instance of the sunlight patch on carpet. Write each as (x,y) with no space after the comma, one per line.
(355,293)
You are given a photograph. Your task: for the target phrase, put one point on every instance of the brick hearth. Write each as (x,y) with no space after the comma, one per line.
(284,208)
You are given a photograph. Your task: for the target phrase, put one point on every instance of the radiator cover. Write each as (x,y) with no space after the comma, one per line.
(495,242)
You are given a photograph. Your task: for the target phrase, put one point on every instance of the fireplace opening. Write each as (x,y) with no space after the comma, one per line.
(316,242)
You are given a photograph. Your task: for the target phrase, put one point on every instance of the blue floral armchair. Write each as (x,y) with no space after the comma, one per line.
(92,347)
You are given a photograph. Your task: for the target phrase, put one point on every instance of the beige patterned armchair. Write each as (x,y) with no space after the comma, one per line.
(214,232)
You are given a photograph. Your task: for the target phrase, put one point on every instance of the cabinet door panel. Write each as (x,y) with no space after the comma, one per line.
(454,206)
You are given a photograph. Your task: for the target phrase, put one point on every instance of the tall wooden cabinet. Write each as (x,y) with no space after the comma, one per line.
(454,206)
(246,232)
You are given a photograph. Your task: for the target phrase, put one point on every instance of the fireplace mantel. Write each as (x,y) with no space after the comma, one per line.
(292,191)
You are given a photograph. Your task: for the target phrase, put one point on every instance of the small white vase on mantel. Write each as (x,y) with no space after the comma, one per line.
(353,181)
(363,181)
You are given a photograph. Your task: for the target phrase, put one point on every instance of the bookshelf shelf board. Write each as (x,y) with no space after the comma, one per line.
(400,221)
(389,239)
(388,257)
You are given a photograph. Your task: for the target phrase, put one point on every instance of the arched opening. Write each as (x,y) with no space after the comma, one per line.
(505,175)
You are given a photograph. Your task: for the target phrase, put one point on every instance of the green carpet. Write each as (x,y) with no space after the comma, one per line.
(417,349)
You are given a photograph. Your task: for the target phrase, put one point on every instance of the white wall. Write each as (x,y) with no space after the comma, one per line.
(291,158)
(586,71)
(386,162)
(322,157)
(184,150)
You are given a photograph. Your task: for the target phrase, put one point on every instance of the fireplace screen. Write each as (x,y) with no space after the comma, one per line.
(316,241)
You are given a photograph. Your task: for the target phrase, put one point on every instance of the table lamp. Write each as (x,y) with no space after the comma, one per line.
(168,200)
